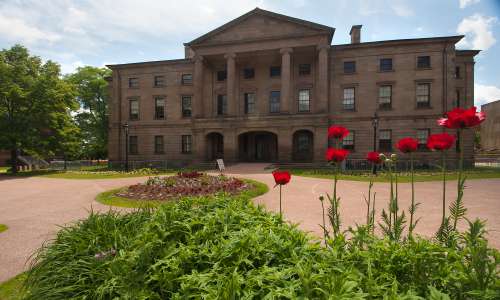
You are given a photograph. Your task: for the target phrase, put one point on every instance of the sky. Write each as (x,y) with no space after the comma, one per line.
(99,32)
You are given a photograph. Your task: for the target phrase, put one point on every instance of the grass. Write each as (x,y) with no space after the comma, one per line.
(109,198)
(476,173)
(12,289)
(3,170)
(3,227)
(94,174)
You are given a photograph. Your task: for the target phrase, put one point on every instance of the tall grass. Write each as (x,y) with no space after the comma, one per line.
(227,248)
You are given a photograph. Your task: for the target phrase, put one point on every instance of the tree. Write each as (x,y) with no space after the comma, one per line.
(92,94)
(35,106)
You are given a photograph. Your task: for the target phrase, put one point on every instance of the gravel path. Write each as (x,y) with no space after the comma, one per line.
(34,207)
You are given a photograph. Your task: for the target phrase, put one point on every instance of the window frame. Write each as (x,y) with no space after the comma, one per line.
(222,104)
(348,70)
(160,83)
(133,83)
(351,138)
(300,100)
(221,75)
(275,103)
(389,146)
(246,104)
(164,115)
(384,105)
(248,71)
(344,99)
(133,150)
(186,144)
(184,81)
(130,115)
(183,109)
(422,146)
(422,104)
(273,74)
(305,72)
(381,64)
(157,148)
(421,65)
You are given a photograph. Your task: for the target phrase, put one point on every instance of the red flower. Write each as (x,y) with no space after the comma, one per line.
(407,145)
(336,155)
(374,157)
(462,118)
(338,132)
(441,141)
(281,177)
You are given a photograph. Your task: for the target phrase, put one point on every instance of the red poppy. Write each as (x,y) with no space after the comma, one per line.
(336,155)
(338,132)
(440,141)
(281,177)
(462,118)
(407,145)
(374,157)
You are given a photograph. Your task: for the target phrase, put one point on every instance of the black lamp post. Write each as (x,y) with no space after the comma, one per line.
(375,121)
(125,126)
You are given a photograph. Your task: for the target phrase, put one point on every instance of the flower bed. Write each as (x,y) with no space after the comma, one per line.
(182,185)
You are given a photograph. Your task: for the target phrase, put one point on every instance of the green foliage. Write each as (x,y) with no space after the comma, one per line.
(226,248)
(93,96)
(12,289)
(3,227)
(35,105)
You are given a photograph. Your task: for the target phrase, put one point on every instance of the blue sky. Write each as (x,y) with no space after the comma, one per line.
(99,32)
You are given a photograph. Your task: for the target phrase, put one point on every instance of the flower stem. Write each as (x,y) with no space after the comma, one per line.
(443,157)
(281,214)
(412,211)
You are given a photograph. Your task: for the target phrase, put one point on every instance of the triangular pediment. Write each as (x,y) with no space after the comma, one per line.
(261,24)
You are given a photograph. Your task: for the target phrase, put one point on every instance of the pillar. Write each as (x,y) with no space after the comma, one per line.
(322,84)
(198,106)
(230,81)
(286,80)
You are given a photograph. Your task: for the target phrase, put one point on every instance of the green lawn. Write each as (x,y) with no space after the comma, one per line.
(3,169)
(12,289)
(476,173)
(3,227)
(99,174)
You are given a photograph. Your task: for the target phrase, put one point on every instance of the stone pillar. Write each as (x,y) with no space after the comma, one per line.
(322,84)
(230,145)
(198,106)
(285,144)
(230,81)
(286,80)
(200,146)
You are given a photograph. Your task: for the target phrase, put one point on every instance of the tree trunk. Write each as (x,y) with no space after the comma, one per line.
(13,160)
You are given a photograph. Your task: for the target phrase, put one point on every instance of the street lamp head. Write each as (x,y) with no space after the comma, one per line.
(125,126)
(375,120)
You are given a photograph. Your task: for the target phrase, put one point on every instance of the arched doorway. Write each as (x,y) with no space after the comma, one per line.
(303,146)
(258,146)
(215,146)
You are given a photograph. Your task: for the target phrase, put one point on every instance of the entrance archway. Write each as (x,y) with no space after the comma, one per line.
(258,146)
(303,146)
(215,146)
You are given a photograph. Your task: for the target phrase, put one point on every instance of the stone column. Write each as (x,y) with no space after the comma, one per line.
(285,144)
(322,84)
(286,80)
(230,81)
(198,106)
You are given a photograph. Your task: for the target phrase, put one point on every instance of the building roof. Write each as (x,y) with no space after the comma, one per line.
(454,39)
(148,63)
(496,102)
(259,11)
(468,52)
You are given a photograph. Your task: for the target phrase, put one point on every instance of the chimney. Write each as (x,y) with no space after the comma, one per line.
(355,34)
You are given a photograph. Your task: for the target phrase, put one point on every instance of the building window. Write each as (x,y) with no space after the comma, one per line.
(134,109)
(423,95)
(248,73)
(159,108)
(275,71)
(221,105)
(304,69)
(385,97)
(221,75)
(349,67)
(187,79)
(274,102)
(348,100)
(422,136)
(457,72)
(249,103)
(133,144)
(159,81)
(304,100)
(186,144)
(423,62)
(133,83)
(386,64)
(385,140)
(348,141)
(159,149)
(457,99)
(186,106)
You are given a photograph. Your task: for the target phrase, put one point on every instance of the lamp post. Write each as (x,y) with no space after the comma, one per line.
(125,126)
(375,121)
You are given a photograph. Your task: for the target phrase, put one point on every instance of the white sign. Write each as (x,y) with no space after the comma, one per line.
(220,164)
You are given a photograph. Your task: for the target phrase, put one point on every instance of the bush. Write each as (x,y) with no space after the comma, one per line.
(226,248)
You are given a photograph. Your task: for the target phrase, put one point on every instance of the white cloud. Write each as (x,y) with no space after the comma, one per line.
(477,29)
(402,10)
(67,68)
(485,93)
(465,3)
(19,31)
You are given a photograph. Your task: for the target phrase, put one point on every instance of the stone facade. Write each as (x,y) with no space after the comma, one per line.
(265,87)
(490,128)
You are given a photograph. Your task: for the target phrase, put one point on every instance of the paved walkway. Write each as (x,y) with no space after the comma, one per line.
(34,207)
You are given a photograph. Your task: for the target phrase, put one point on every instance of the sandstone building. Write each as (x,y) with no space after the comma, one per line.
(490,128)
(265,87)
